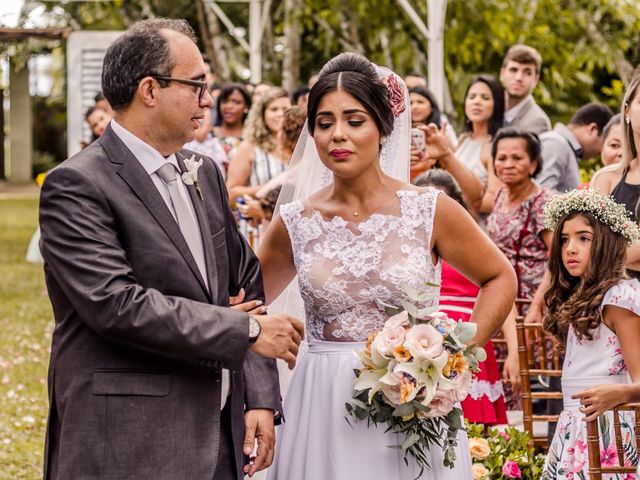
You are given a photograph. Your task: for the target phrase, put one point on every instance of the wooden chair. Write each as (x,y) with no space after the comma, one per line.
(530,336)
(593,441)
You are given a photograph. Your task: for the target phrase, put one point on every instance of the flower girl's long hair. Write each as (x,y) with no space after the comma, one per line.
(576,300)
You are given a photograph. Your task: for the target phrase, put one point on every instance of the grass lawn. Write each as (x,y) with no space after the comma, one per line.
(26,322)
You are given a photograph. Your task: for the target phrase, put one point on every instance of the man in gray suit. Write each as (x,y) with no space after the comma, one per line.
(519,75)
(152,375)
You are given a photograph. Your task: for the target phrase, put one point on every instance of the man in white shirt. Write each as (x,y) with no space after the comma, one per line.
(519,75)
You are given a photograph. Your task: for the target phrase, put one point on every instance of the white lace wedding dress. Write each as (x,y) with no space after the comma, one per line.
(343,268)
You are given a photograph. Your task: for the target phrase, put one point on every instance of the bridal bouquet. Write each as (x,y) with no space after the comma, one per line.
(414,372)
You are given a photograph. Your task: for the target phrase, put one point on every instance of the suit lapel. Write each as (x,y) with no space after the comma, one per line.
(132,172)
(205,231)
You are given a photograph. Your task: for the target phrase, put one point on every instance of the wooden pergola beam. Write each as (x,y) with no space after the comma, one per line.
(12,34)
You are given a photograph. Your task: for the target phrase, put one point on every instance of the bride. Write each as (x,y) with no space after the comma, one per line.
(360,238)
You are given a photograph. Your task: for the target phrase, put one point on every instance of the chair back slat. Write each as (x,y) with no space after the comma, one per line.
(538,355)
(593,443)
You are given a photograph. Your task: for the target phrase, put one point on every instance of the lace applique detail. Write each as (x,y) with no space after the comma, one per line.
(344,267)
(484,388)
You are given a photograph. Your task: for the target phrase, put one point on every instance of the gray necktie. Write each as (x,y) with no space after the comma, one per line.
(185,219)
(191,234)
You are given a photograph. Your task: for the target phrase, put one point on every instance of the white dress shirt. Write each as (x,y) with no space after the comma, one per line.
(151,160)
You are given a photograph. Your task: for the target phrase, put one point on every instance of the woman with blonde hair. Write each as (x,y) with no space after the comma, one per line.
(259,157)
(622,180)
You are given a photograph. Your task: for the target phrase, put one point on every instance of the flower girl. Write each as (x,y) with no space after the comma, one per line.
(594,309)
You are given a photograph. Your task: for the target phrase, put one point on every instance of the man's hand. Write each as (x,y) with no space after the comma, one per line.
(258,425)
(280,336)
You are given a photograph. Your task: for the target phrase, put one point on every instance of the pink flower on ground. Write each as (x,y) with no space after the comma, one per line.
(608,457)
(510,469)
(504,435)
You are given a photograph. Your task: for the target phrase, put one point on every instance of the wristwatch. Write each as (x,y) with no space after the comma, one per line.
(254,330)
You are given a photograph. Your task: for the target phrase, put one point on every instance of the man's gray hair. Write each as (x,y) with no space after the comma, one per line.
(142,51)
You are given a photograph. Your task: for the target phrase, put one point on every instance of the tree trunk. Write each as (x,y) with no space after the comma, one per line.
(214,41)
(291,61)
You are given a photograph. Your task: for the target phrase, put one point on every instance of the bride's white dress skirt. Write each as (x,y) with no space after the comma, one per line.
(317,443)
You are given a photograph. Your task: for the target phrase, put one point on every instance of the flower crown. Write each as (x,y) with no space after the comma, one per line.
(603,207)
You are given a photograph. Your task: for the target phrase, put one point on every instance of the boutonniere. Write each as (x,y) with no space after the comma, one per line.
(190,177)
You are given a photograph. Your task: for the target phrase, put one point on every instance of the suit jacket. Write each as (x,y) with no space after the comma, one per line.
(139,342)
(531,118)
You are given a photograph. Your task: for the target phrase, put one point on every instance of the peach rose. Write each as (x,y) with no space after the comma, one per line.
(387,340)
(479,471)
(479,448)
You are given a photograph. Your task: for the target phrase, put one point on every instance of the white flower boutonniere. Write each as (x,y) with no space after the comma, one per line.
(190,177)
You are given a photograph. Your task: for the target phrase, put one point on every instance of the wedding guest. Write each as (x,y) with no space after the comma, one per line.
(483,117)
(98,119)
(103,103)
(260,89)
(300,97)
(519,75)
(414,79)
(259,157)
(486,402)
(612,141)
(439,151)
(565,145)
(622,180)
(516,224)
(425,110)
(256,208)
(232,109)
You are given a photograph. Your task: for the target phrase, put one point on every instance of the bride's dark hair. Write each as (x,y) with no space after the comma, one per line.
(357,76)
(576,301)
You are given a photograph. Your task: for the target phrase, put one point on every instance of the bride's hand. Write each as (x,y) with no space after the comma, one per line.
(253,307)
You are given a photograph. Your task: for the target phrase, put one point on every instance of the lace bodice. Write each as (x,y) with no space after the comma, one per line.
(344,267)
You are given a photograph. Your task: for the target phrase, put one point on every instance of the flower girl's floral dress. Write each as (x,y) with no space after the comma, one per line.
(589,363)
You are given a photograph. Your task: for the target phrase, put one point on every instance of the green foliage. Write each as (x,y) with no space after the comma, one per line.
(586,46)
(508,444)
(49,132)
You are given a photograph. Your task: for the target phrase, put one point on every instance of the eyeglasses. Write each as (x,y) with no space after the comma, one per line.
(193,83)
